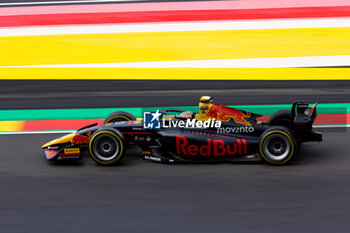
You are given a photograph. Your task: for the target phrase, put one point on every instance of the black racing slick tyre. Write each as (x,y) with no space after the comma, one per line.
(107,146)
(277,145)
(119,116)
(281,118)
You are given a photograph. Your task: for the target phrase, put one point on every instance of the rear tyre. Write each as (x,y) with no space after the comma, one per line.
(119,116)
(281,118)
(277,145)
(107,146)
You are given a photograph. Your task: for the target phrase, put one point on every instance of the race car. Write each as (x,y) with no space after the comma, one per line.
(215,133)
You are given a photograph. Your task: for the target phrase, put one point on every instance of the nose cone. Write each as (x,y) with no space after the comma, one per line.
(64,139)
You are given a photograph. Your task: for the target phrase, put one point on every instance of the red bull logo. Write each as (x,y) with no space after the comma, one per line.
(225,114)
(80,139)
(212,148)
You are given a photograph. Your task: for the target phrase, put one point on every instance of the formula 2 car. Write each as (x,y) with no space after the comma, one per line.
(216,133)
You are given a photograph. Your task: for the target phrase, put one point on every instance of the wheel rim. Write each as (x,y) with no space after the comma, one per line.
(277,147)
(106,147)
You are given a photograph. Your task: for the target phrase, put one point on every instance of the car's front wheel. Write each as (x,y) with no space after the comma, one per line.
(119,116)
(107,146)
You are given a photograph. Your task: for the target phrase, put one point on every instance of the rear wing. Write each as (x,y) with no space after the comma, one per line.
(303,109)
(303,118)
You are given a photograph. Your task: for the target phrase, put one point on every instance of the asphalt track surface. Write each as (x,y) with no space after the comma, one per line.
(311,194)
(51,94)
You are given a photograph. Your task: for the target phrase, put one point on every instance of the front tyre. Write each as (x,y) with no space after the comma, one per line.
(277,145)
(107,146)
(119,116)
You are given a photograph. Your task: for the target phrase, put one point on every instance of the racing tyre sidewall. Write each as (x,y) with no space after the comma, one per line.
(277,145)
(119,116)
(107,146)
(281,118)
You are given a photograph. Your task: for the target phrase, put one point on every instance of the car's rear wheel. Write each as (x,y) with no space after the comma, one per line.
(281,118)
(107,146)
(277,145)
(119,116)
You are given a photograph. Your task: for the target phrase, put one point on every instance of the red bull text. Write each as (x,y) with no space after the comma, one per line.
(213,147)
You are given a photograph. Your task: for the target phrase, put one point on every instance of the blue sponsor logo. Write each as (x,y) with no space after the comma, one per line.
(151,120)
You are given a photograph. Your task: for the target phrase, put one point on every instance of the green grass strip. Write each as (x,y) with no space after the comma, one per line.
(99,113)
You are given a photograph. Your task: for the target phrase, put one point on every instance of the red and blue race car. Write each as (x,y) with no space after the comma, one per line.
(215,133)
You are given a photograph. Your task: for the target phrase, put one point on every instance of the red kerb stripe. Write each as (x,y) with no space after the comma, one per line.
(168,16)
(58,124)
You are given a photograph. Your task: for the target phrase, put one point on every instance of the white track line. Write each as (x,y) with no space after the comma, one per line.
(37,132)
(178,26)
(280,62)
(64,2)
(331,126)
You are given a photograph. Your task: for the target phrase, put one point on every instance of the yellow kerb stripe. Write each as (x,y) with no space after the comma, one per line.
(178,73)
(172,46)
(11,125)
